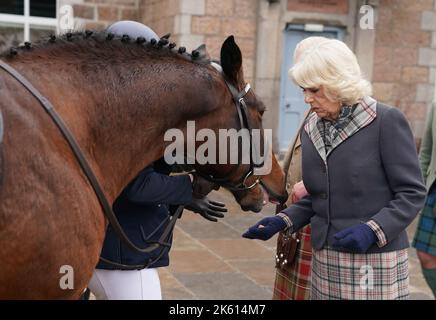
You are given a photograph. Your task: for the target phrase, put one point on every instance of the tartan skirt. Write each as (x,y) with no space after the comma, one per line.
(294,283)
(425,235)
(374,276)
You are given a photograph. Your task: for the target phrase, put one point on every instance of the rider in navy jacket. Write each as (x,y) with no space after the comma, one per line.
(143,207)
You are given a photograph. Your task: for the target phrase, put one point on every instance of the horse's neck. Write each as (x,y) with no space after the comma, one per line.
(120,125)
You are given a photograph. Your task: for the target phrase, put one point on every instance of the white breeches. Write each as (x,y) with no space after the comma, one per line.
(126,284)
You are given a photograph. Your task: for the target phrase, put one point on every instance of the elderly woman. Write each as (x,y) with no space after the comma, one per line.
(361,170)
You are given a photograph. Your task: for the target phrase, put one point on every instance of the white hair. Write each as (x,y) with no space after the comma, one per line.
(305,44)
(332,65)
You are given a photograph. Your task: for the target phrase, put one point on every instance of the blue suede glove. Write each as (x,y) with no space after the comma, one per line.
(271,225)
(357,238)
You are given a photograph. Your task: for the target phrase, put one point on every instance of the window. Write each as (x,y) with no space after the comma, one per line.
(25,20)
(37,8)
(43,8)
(12,7)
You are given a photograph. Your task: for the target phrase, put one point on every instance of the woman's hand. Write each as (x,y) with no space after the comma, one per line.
(298,191)
(266,228)
(357,239)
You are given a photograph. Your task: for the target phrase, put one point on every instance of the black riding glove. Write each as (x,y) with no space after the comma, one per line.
(208,209)
(202,187)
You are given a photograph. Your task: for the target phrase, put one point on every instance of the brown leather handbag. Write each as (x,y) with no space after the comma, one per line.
(287,246)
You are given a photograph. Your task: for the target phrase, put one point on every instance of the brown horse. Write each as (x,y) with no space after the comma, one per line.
(118,97)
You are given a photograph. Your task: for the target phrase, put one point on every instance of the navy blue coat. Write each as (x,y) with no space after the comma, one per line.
(140,208)
(372,175)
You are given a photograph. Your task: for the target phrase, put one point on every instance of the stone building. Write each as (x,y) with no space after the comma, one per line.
(396,49)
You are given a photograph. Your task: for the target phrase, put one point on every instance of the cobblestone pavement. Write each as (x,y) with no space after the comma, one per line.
(212,261)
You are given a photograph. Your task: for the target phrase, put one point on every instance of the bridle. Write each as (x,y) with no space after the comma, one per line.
(242,110)
(244,122)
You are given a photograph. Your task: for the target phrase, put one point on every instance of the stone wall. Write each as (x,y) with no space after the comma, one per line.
(230,17)
(159,15)
(194,22)
(405,57)
(98,14)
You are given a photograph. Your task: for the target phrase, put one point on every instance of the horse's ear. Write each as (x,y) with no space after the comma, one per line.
(203,52)
(231,60)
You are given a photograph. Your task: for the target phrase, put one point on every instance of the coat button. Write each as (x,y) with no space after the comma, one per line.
(323,196)
(323,169)
(159,205)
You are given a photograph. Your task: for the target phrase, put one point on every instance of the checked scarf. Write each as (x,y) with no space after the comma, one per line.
(327,135)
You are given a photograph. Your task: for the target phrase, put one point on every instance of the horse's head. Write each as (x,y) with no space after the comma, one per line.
(250,180)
